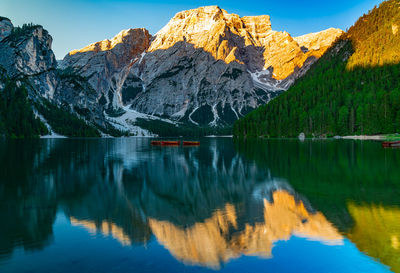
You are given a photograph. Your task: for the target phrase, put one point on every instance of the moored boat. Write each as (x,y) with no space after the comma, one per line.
(156,143)
(170,143)
(191,143)
(389,144)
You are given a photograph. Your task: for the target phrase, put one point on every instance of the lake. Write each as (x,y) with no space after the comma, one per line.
(121,205)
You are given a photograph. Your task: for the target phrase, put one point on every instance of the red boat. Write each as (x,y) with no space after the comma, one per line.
(191,143)
(156,143)
(170,143)
(390,144)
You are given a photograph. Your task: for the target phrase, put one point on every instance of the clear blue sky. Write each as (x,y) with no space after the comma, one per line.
(77,23)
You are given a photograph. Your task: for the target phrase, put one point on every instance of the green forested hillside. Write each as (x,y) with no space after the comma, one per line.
(376,37)
(64,122)
(17,119)
(166,129)
(353,89)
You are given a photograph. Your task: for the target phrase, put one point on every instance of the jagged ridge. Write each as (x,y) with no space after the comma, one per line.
(205,67)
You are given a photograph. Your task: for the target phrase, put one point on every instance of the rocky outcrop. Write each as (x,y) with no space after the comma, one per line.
(26,53)
(26,57)
(107,64)
(318,42)
(205,67)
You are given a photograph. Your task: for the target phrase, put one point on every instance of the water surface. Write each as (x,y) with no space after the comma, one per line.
(120,205)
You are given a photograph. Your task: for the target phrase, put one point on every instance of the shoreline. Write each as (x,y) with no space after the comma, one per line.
(365,137)
(355,137)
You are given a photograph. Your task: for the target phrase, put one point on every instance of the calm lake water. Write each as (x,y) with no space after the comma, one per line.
(120,205)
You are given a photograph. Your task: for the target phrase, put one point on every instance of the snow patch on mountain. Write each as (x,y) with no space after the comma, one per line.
(263,80)
(126,122)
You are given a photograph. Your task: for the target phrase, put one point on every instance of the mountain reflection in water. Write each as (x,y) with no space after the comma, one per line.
(219,238)
(206,205)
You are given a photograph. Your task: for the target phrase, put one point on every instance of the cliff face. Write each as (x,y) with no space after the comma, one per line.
(318,42)
(107,64)
(247,40)
(26,53)
(205,67)
(27,58)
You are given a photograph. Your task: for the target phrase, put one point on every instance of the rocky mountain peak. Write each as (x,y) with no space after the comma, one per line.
(26,50)
(214,12)
(206,67)
(318,40)
(214,30)
(126,38)
(257,26)
(107,63)
(247,40)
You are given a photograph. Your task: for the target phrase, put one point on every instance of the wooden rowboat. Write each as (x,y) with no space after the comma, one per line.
(156,143)
(389,144)
(191,143)
(170,143)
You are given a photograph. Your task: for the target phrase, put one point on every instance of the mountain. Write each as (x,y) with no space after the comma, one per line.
(206,67)
(107,64)
(352,89)
(26,53)
(34,93)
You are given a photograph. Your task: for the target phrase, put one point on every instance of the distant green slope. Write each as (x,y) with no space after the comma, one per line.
(353,89)
(17,119)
